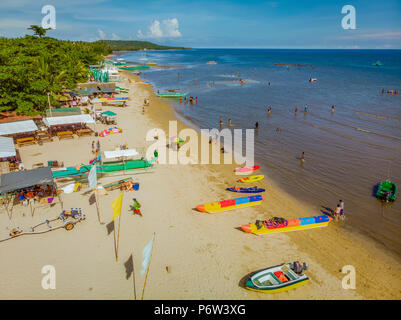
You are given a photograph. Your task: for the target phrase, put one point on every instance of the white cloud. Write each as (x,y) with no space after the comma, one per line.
(169,28)
(115,37)
(102,35)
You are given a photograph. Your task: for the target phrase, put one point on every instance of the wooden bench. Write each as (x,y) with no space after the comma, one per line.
(38,165)
(83,132)
(24,141)
(65,134)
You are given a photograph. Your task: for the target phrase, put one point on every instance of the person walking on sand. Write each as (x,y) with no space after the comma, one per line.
(98,146)
(93,146)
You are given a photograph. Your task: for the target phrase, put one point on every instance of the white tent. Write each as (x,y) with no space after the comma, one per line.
(17,127)
(120,153)
(7,148)
(81,118)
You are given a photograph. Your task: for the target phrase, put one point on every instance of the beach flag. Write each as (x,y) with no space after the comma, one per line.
(92,178)
(116,205)
(146,253)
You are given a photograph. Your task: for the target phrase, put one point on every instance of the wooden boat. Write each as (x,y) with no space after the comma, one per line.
(251,178)
(225,205)
(387,191)
(276,224)
(277,279)
(246,190)
(247,169)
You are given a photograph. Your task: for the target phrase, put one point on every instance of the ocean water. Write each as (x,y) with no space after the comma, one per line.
(347,153)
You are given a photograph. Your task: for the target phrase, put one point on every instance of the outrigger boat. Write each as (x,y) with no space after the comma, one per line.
(105,168)
(387,191)
(172,95)
(277,224)
(225,205)
(277,279)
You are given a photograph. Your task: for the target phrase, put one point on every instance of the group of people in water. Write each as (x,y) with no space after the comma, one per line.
(191,100)
(395,92)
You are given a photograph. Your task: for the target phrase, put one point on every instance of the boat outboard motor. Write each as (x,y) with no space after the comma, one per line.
(297,267)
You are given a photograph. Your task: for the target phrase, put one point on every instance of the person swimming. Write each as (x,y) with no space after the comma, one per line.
(303,156)
(332,109)
(296,109)
(256,125)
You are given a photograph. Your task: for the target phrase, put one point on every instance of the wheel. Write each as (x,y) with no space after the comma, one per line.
(69,226)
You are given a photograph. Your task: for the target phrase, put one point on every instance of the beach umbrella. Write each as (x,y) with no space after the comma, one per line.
(109,113)
(176,139)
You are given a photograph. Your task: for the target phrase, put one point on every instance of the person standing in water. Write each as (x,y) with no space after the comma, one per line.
(296,109)
(342,216)
(303,157)
(269,110)
(337,212)
(229,122)
(256,125)
(221,122)
(306,109)
(332,109)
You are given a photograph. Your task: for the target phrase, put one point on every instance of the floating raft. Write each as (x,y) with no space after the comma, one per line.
(231,204)
(247,169)
(246,190)
(270,226)
(251,178)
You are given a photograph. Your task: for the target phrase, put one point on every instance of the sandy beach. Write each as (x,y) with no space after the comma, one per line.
(207,255)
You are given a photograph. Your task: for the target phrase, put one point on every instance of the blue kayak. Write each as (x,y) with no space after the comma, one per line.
(246,190)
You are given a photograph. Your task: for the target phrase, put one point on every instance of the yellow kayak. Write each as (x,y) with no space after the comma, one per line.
(252,178)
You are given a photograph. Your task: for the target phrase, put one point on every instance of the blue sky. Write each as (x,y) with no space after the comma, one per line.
(214,24)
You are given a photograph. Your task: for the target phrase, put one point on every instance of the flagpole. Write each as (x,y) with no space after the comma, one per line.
(118,235)
(147,270)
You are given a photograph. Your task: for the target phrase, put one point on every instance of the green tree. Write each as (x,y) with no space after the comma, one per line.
(38,30)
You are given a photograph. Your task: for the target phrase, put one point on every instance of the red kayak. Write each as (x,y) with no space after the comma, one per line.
(246,169)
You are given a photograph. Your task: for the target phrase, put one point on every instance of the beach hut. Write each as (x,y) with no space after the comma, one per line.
(65,127)
(27,187)
(23,132)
